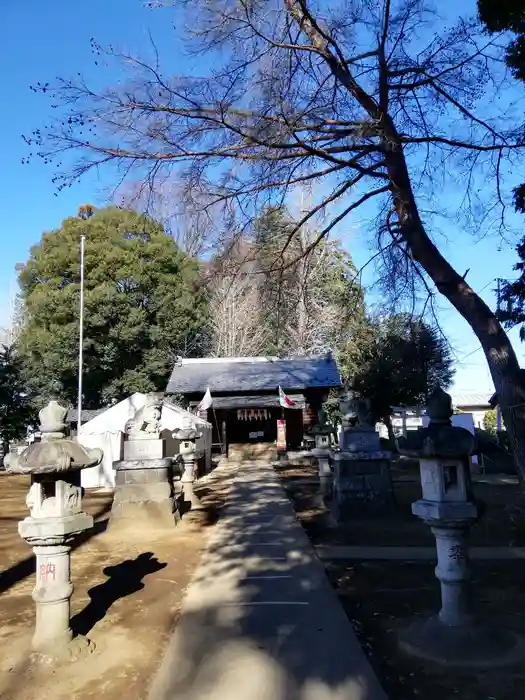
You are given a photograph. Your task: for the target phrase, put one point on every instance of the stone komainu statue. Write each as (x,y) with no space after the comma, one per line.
(147,420)
(356,410)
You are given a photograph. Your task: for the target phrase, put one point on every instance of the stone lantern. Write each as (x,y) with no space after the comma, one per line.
(455,636)
(188,455)
(55,520)
(322,432)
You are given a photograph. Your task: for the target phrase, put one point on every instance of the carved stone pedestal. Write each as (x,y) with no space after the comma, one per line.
(362,482)
(145,494)
(147,482)
(53,590)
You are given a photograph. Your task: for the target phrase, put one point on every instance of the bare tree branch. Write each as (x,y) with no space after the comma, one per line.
(376,98)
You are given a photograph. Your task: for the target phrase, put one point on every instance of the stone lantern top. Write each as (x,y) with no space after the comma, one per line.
(53,421)
(439,408)
(55,453)
(187,432)
(440,438)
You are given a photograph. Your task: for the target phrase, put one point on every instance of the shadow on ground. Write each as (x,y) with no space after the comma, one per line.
(26,567)
(123,579)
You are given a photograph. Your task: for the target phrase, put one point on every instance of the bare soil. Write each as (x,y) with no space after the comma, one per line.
(128,594)
(502,522)
(383,597)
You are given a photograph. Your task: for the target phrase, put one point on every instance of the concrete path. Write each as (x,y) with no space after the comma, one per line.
(260,620)
(330,551)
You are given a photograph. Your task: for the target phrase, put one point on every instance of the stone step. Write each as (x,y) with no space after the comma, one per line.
(259,450)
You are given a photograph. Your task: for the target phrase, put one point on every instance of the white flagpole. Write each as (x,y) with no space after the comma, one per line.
(81,335)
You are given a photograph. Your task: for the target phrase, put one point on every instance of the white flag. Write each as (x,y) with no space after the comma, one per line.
(206,401)
(285,401)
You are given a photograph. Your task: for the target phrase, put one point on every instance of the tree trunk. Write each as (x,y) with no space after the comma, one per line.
(503,364)
(302,316)
(508,378)
(387,420)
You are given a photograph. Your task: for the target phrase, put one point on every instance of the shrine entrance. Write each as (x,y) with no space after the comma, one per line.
(255,425)
(252,425)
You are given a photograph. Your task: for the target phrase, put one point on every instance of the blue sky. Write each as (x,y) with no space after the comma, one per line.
(42,40)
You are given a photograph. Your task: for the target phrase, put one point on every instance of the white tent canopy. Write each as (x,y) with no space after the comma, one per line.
(106,430)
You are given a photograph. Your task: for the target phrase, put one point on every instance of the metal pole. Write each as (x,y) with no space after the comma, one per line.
(81,335)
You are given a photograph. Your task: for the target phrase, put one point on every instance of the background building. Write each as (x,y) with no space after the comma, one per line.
(245,394)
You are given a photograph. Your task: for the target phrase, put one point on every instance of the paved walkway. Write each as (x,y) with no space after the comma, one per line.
(260,620)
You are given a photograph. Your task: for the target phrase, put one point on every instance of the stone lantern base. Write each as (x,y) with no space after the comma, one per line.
(362,483)
(323,459)
(473,645)
(51,539)
(146,492)
(194,514)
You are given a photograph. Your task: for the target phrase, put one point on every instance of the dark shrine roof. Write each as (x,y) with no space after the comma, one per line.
(229,375)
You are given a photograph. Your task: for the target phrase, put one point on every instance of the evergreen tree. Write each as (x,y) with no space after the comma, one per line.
(15,409)
(143,306)
(490,422)
(512,295)
(277,283)
(507,16)
(402,364)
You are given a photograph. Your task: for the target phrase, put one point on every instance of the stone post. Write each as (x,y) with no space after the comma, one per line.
(52,595)
(453,573)
(455,636)
(55,520)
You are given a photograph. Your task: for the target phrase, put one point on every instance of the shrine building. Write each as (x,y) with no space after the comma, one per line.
(244,395)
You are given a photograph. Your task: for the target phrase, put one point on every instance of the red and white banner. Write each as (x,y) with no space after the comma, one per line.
(285,401)
(281,435)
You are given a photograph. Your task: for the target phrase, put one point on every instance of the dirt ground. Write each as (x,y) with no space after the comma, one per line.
(381,598)
(503,521)
(128,593)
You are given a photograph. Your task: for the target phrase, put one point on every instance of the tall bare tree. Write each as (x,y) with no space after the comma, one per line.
(373,100)
(191,224)
(235,303)
(235,313)
(325,316)
(314,308)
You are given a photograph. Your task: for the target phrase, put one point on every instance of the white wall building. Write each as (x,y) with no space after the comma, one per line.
(477,403)
(473,404)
